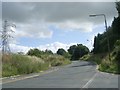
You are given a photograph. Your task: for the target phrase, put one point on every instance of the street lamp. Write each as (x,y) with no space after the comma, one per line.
(94,15)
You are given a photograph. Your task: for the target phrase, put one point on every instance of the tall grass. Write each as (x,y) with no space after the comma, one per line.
(22,64)
(0,64)
(97,58)
(56,60)
(102,60)
(110,66)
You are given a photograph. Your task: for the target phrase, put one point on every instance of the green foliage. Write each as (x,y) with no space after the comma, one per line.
(61,51)
(78,51)
(21,64)
(34,52)
(35,62)
(48,52)
(113,32)
(118,7)
(97,58)
(71,49)
(9,70)
(100,47)
(103,61)
(56,60)
(38,53)
(116,51)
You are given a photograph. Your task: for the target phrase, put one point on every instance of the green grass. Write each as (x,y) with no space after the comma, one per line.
(103,62)
(97,58)
(22,64)
(57,60)
(109,66)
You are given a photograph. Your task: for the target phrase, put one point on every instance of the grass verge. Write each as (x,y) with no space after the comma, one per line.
(16,64)
(103,62)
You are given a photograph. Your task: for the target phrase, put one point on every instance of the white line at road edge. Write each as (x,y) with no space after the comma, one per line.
(30,76)
(89,82)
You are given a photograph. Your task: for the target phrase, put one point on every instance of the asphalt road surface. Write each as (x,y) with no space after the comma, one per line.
(79,74)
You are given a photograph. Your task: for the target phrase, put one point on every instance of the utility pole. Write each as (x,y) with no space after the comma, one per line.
(108,43)
(6,37)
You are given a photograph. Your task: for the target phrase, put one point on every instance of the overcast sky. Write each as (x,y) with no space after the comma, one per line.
(53,25)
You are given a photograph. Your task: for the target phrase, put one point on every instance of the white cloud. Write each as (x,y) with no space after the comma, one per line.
(53,47)
(71,25)
(36,30)
(76,13)
(18,48)
(90,42)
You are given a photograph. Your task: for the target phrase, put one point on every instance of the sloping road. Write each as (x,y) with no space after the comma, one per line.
(79,74)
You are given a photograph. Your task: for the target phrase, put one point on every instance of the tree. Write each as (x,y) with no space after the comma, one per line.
(100,41)
(35,52)
(71,49)
(61,51)
(48,51)
(118,7)
(116,52)
(78,51)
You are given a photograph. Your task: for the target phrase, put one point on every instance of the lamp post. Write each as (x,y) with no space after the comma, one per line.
(94,15)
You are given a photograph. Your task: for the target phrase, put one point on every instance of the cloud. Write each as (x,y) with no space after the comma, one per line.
(34,19)
(53,46)
(85,26)
(33,30)
(18,48)
(72,15)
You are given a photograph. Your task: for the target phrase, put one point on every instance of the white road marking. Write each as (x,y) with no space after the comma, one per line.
(18,79)
(89,82)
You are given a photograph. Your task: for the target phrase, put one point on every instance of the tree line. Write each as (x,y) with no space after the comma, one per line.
(113,32)
(74,52)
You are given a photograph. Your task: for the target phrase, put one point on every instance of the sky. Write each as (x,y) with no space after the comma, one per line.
(54,25)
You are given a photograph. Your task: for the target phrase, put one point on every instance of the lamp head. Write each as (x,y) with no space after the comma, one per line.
(92,15)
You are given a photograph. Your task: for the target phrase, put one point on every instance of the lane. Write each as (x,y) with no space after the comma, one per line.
(104,80)
(79,74)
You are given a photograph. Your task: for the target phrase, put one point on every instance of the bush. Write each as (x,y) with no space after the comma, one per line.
(57,60)
(97,58)
(21,64)
(9,70)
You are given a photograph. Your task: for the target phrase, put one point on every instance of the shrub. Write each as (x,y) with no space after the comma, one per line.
(21,64)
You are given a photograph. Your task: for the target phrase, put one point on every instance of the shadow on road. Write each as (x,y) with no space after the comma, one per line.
(85,64)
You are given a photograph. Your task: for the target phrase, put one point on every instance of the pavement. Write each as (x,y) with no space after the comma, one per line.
(79,74)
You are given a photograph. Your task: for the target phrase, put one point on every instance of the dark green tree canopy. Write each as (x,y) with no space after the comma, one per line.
(100,41)
(48,51)
(61,51)
(71,49)
(118,7)
(78,51)
(37,52)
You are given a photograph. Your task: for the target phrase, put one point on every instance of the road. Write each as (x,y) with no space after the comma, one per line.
(79,74)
